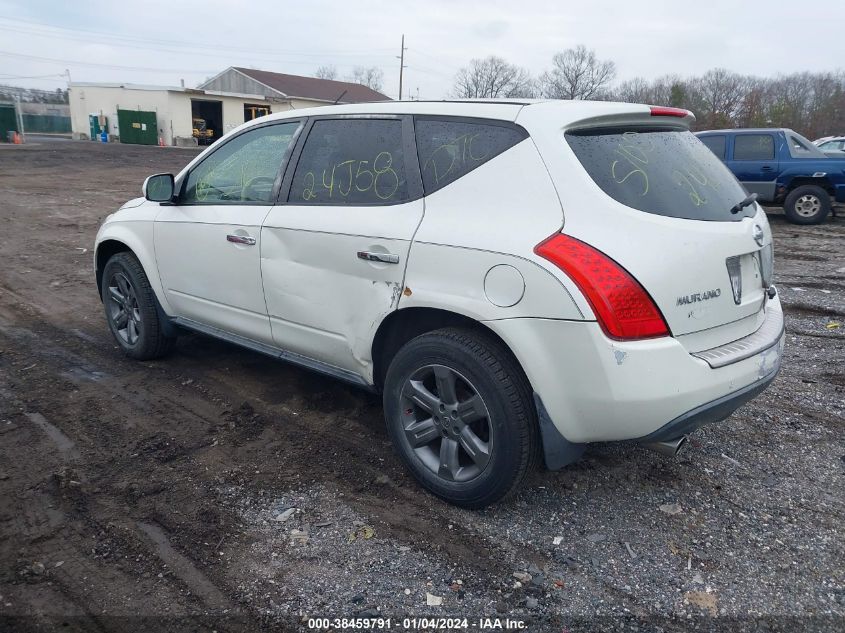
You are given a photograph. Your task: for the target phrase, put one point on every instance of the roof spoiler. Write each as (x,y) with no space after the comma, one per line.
(641,114)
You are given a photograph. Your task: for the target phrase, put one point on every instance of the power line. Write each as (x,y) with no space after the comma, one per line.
(55,75)
(436,58)
(430,71)
(53,60)
(204,54)
(105,36)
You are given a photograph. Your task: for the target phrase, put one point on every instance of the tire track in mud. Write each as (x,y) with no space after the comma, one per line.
(310,436)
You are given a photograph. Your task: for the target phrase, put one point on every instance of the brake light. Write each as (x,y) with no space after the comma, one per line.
(622,306)
(666,111)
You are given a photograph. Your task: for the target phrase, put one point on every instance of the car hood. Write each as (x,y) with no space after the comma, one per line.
(131,204)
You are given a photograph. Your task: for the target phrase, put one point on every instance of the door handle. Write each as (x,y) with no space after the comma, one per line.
(385,258)
(766,168)
(241,239)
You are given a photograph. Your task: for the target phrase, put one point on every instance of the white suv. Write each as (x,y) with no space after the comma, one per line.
(517,278)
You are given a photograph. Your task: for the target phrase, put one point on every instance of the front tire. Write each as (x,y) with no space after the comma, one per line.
(131,309)
(460,414)
(807,204)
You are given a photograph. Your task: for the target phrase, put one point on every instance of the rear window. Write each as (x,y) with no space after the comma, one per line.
(660,170)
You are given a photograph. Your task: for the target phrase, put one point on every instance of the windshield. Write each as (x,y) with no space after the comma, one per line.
(664,171)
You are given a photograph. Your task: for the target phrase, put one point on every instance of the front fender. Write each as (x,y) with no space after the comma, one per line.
(137,236)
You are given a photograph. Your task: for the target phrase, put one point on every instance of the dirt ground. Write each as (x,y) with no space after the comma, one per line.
(147,496)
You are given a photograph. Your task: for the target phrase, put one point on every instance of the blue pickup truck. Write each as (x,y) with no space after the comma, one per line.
(781,167)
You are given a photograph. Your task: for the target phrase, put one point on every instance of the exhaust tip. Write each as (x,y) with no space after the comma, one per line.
(670,448)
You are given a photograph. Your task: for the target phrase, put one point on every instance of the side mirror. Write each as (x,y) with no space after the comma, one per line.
(158,188)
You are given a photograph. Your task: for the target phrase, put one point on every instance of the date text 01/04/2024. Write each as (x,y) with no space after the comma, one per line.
(417,624)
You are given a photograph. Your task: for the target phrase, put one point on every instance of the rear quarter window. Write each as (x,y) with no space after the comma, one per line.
(663,171)
(450,149)
(800,147)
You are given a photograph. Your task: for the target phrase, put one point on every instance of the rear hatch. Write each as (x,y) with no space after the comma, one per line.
(663,206)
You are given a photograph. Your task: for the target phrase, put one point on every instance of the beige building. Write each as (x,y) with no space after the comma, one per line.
(188,116)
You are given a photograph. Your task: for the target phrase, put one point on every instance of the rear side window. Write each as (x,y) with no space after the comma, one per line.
(351,161)
(754,147)
(659,170)
(715,144)
(449,149)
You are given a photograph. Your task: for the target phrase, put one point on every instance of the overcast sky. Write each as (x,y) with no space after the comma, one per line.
(162,41)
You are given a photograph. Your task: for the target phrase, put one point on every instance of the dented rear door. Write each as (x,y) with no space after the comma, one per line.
(333,254)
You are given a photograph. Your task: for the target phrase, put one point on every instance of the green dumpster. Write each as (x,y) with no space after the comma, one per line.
(137,127)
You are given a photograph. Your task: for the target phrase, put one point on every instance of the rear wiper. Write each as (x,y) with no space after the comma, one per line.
(747,201)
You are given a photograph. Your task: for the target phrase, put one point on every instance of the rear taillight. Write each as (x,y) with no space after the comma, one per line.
(666,111)
(622,306)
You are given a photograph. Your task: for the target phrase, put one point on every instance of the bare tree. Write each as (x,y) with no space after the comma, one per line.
(721,92)
(371,76)
(329,71)
(636,90)
(493,78)
(577,74)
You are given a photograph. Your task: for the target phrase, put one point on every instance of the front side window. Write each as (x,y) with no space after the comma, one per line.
(658,170)
(754,147)
(244,170)
(351,161)
(451,149)
(715,144)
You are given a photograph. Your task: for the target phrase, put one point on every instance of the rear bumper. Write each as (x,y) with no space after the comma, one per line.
(597,389)
(714,411)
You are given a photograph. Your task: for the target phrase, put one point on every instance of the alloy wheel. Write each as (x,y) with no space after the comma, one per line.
(123,309)
(446,423)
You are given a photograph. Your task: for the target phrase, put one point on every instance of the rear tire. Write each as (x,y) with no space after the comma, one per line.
(132,310)
(807,204)
(460,413)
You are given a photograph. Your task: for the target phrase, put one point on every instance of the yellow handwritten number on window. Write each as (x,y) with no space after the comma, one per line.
(308,188)
(382,179)
(389,174)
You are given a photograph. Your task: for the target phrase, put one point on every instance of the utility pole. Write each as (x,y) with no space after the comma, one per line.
(401,57)
(19,117)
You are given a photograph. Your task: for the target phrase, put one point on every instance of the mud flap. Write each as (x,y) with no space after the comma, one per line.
(168,327)
(557,450)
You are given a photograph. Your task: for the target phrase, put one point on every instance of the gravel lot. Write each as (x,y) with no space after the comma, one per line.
(153,496)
